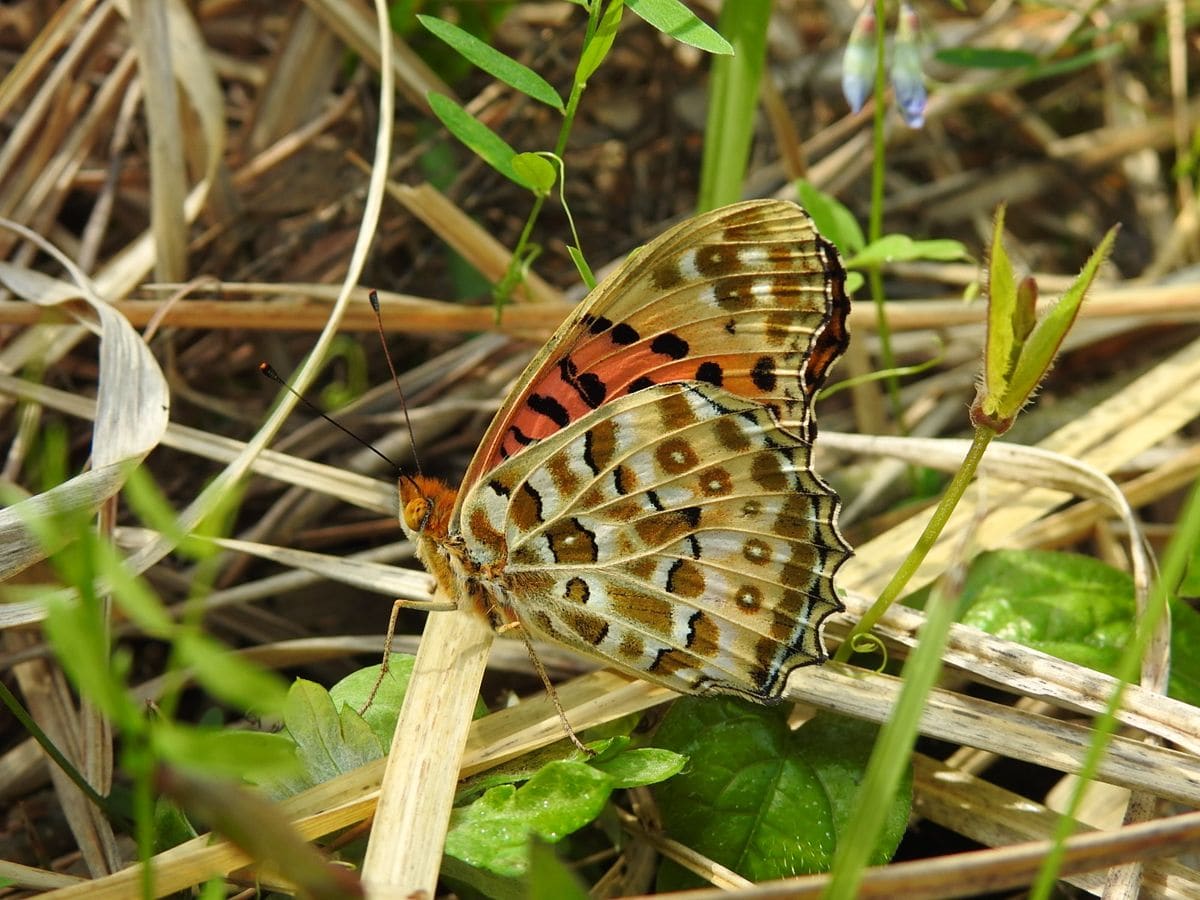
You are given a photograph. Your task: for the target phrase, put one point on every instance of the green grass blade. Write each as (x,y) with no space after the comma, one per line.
(733,100)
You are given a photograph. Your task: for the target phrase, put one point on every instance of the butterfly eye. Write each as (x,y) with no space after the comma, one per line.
(417,512)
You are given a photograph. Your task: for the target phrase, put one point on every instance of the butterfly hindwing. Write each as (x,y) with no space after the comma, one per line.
(678,532)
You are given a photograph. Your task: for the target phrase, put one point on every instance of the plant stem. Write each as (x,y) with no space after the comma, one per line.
(506,284)
(887,358)
(933,529)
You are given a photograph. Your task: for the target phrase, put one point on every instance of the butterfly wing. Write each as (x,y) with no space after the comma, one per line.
(677,532)
(748,298)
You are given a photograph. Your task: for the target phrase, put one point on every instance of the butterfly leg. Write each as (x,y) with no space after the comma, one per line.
(541,671)
(397,605)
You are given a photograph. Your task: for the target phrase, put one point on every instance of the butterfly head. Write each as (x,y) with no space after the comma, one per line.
(425,507)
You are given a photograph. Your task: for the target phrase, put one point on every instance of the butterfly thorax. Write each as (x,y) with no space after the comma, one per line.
(426,515)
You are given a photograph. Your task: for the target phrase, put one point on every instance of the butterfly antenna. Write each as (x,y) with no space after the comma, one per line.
(267,369)
(374,298)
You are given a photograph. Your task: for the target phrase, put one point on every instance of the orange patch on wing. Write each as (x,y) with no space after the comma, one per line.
(566,482)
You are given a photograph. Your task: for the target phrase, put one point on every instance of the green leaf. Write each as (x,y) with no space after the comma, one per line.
(581,265)
(76,631)
(595,51)
(1075,608)
(549,877)
(672,18)
(1000,350)
(835,222)
(150,505)
(535,171)
(1068,605)
(902,248)
(329,740)
(838,747)
(493,832)
(1039,350)
(225,753)
(133,595)
(355,689)
(750,799)
(635,768)
(229,677)
(985,58)
(171,826)
(1185,653)
(495,63)
(486,144)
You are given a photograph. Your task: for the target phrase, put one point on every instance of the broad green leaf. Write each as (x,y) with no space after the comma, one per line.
(838,748)
(835,222)
(493,832)
(229,677)
(595,51)
(750,798)
(1185,653)
(495,63)
(355,689)
(1068,605)
(329,740)
(985,58)
(225,753)
(672,18)
(535,171)
(626,767)
(487,145)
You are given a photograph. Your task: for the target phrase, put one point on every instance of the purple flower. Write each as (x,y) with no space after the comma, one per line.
(858,62)
(908,81)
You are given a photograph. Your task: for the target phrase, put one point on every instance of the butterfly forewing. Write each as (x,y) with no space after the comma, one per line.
(748,298)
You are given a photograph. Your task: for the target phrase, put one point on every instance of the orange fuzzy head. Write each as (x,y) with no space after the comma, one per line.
(425,506)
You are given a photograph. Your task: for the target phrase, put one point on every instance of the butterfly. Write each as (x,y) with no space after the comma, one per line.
(644,495)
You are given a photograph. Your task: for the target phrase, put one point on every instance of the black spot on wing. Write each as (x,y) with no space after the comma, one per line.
(669,344)
(625,334)
(763,374)
(711,373)
(597,324)
(550,408)
(519,436)
(590,388)
(639,384)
